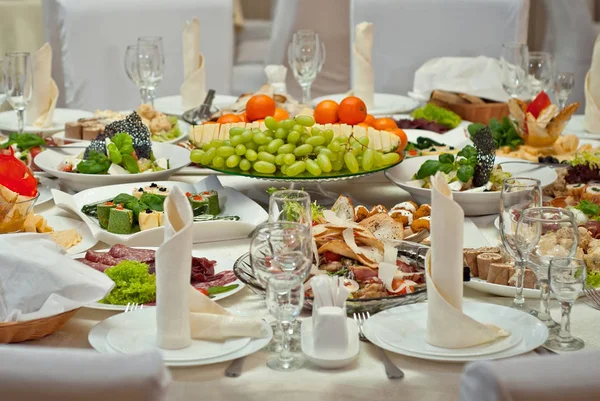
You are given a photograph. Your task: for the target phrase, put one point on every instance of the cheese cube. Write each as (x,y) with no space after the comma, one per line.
(375,137)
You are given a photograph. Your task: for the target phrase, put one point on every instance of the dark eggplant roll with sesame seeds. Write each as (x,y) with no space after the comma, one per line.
(132,125)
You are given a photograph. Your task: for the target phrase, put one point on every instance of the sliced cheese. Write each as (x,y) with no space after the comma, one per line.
(224,131)
(196,134)
(376,138)
(386,140)
(149,220)
(66,239)
(252,125)
(211,131)
(262,126)
(345,130)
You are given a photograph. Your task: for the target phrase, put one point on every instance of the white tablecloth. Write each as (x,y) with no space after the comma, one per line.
(89,39)
(364,379)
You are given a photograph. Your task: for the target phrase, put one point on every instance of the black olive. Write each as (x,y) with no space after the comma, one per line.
(153,185)
(162,189)
(141,189)
(451,147)
(148,211)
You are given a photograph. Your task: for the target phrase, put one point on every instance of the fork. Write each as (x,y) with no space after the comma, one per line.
(132,306)
(391,370)
(592,296)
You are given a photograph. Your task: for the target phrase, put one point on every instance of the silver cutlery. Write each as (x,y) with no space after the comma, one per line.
(131,306)
(235,367)
(534,165)
(592,296)
(391,370)
(201,113)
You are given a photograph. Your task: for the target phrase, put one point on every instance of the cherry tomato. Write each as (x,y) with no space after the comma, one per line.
(540,102)
(331,257)
(203,290)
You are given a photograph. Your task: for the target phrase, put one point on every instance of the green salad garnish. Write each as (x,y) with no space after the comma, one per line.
(440,115)
(504,132)
(23,141)
(133,283)
(463,164)
(593,279)
(591,159)
(166,136)
(96,163)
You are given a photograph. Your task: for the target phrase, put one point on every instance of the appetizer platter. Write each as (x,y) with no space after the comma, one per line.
(132,214)
(132,270)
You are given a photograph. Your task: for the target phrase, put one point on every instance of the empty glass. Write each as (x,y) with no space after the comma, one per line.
(563,85)
(290,205)
(518,194)
(18,83)
(545,233)
(158,42)
(285,297)
(143,65)
(567,278)
(541,73)
(306,56)
(514,67)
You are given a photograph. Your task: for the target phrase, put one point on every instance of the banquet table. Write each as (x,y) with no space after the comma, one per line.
(363,379)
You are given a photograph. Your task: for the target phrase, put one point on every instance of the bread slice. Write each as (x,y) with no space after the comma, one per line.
(343,208)
(384,227)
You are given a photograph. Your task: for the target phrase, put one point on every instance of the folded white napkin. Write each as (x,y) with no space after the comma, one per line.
(533,378)
(38,280)
(276,77)
(183,313)
(363,76)
(61,374)
(477,76)
(447,325)
(592,92)
(40,110)
(193,89)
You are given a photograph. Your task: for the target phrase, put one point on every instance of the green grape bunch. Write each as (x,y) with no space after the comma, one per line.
(292,147)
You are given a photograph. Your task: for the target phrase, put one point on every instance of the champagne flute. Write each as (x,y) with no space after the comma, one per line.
(285,297)
(514,62)
(18,83)
(541,73)
(518,194)
(290,205)
(545,233)
(563,85)
(567,278)
(158,42)
(306,56)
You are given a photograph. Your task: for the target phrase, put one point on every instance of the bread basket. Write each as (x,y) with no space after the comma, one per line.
(16,332)
(470,108)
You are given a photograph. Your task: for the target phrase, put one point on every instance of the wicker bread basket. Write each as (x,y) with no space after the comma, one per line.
(480,112)
(16,332)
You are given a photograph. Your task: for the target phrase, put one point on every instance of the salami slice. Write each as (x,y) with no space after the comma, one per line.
(202,269)
(218,280)
(127,253)
(95,265)
(101,257)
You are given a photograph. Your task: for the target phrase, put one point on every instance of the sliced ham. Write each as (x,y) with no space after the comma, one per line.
(363,273)
(202,269)
(218,280)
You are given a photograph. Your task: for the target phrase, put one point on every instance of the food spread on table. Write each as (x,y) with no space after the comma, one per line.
(25,146)
(491,265)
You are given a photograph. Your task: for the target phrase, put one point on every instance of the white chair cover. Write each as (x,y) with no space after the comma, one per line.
(567,377)
(410,32)
(54,374)
(89,38)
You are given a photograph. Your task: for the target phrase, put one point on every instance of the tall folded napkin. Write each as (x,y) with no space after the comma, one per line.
(592,92)
(363,76)
(447,325)
(193,89)
(38,280)
(40,110)
(183,313)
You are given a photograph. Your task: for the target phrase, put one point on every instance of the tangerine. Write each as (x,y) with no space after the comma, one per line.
(326,112)
(369,120)
(403,138)
(384,123)
(260,106)
(229,118)
(352,110)
(281,114)
(244,117)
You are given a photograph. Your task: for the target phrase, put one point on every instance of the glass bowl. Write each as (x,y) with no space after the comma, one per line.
(13,215)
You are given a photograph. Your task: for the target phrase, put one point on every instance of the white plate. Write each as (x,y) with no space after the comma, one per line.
(223,263)
(172,104)
(8,121)
(45,188)
(59,223)
(385,103)
(473,203)
(233,203)
(98,340)
(194,170)
(380,327)
(50,159)
(339,360)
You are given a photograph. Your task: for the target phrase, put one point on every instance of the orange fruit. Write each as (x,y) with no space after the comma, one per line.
(403,138)
(280,114)
(326,112)
(384,124)
(369,120)
(352,110)
(229,118)
(243,117)
(260,106)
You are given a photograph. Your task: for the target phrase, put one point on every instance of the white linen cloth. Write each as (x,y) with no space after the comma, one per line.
(592,92)
(37,279)
(410,32)
(447,325)
(89,38)
(182,312)
(363,77)
(566,377)
(61,374)
(40,110)
(193,89)
(477,76)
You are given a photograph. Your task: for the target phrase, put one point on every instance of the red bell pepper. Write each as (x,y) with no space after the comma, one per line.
(15,175)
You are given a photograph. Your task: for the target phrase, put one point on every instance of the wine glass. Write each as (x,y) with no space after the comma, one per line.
(563,85)
(290,205)
(158,42)
(541,73)
(285,297)
(518,194)
(18,83)
(567,278)
(513,61)
(306,56)
(143,67)
(545,233)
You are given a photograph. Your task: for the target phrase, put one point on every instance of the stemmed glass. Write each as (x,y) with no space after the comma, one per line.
(143,65)
(514,61)
(563,85)
(285,297)
(290,205)
(518,194)
(545,233)
(541,73)
(158,42)
(18,83)
(567,278)
(306,56)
